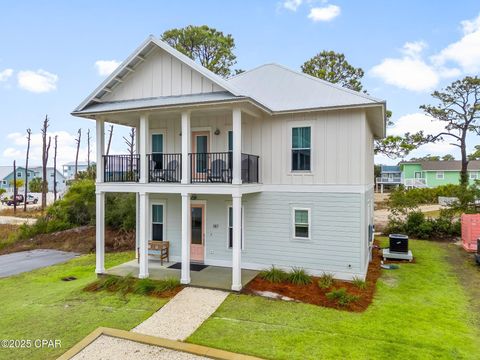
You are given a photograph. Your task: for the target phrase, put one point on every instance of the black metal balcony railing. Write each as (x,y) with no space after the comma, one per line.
(217,167)
(121,168)
(164,167)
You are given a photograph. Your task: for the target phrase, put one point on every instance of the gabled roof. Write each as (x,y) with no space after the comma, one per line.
(450,165)
(282,89)
(137,58)
(8,169)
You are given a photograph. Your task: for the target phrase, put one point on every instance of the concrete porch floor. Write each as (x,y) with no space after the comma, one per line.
(213,277)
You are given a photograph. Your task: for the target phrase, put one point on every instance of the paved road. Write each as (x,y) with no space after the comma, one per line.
(19,262)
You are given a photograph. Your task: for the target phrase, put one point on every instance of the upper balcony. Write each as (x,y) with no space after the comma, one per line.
(209,167)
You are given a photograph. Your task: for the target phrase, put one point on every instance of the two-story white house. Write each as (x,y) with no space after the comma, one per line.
(270,167)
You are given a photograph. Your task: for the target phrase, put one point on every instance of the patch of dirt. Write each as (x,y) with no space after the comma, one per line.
(313,294)
(32,212)
(468,274)
(80,240)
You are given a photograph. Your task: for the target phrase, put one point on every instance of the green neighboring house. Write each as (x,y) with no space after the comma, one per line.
(426,173)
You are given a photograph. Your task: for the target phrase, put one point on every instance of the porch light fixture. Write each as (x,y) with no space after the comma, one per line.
(217,132)
(193,197)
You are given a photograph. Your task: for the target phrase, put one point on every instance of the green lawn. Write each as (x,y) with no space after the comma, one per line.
(419,312)
(38,305)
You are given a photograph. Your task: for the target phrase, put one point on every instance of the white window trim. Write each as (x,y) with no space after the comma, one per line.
(440,175)
(242,245)
(164,204)
(300,124)
(473,175)
(309,223)
(19,174)
(159,131)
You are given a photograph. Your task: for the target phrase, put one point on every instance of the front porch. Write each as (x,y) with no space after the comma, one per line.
(214,277)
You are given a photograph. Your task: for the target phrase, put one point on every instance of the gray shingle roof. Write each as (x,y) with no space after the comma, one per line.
(452,165)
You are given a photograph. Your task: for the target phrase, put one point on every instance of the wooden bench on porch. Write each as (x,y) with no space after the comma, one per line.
(163,247)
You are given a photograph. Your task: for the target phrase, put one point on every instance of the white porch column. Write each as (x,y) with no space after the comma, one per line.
(143,234)
(237,146)
(143,147)
(186,229)
(100,233)
(186,144)
(137,224)
(100,138)
(237,239)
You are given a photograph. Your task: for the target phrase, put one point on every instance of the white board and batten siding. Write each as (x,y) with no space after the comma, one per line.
(161,74)
(338,140)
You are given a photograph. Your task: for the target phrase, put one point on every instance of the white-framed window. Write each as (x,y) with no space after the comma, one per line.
(473,175)
(4,182)
(440,175)
(157,146)
(418,174)
(301,148)
(301,223)
(19,174)
(158,220)
(230,229)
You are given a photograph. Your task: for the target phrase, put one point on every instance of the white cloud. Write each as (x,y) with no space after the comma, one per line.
(326,13)
(39,81)
(17,146)
(466,51)
(106,67)
(414,49)
(5,74)
(292,4)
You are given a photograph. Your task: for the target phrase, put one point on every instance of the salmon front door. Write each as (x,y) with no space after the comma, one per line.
(197,240)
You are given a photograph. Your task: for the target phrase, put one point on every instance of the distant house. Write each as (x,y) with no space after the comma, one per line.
(69,169)
(390,175)
(61,181)
(436,173)
(6,176)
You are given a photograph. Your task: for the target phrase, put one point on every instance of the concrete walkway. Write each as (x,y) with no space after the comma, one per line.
(19,262)
(182,315)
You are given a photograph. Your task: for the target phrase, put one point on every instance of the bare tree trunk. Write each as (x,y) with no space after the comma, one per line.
(110,133)
(130,141)
(45,149)
(88,150)
(55,169)
(29,133)
(78,150)
(463,151)
(14,187)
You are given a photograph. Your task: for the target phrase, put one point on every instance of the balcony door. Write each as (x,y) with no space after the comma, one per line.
(157,151)
(201,147)
(197,236)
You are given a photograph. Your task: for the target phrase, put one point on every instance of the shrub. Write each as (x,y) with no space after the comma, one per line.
(325,281)
(129,284)
(166,284)
(298,276)
(359,283)
(120,210)
(342,297)
(273,275)
(144,286)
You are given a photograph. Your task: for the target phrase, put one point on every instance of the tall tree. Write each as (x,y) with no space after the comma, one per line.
(459,110)
(110,133)
(333,67)
(45,150)
(476,154)
(210,47)
(29,135)
(55,168)
(448,157)
(88,149)
(78,141)
(130,142)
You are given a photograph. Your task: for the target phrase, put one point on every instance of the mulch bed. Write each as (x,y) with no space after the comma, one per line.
(313,294)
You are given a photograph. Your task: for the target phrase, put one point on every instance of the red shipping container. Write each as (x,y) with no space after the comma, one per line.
(470,231)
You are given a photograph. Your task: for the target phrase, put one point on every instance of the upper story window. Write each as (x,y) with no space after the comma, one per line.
(19,174)
(473,175)
(301,148)
(157,150)
(440,175)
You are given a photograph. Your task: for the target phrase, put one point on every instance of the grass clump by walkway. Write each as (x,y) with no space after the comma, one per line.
(39,305)
(420,311)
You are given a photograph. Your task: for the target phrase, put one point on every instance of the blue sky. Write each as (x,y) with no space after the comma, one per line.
(48,52)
